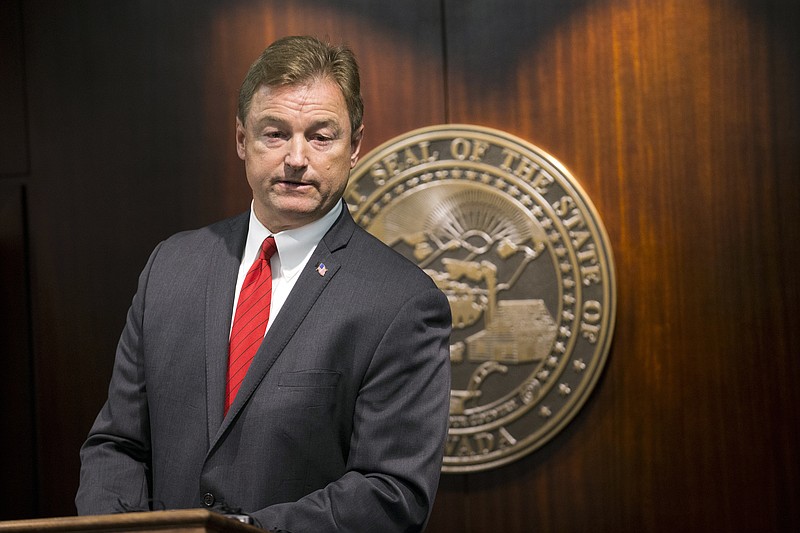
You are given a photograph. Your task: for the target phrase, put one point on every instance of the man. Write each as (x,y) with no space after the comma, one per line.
(339,421)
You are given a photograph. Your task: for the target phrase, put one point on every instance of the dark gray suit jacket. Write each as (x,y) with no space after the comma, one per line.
(340,422)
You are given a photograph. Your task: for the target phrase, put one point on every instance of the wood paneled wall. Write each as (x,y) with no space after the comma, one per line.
(17,420)
(678,117)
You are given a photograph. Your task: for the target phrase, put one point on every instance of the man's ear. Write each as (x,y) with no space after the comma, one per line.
(355,145)
(241,139)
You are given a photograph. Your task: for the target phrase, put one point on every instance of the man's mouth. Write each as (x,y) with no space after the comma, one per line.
(294,185)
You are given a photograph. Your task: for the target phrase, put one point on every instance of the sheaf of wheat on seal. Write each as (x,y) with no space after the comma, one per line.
(522,255)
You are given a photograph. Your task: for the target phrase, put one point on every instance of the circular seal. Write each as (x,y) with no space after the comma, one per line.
(513,241)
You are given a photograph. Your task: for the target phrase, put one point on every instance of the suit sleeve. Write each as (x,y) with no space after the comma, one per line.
(115,458)
(399,433)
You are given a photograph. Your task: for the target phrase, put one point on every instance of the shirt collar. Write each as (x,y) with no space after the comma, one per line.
(294,246)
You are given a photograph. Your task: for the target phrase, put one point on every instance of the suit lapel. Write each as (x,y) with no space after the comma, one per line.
(224,267)
(304,295)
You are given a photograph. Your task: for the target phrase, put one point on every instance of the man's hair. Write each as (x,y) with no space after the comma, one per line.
(292,61)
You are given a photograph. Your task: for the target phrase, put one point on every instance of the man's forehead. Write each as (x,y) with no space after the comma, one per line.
(322,98)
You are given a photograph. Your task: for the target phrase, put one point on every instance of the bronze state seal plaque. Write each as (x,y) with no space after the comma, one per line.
(512,240)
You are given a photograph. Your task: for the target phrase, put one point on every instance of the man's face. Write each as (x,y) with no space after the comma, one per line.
(298,150)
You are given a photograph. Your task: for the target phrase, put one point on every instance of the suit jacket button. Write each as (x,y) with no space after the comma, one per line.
(208,499)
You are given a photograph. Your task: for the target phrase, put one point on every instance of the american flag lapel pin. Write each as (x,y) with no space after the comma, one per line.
(322,269)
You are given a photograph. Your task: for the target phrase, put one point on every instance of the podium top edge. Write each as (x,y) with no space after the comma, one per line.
(179,520)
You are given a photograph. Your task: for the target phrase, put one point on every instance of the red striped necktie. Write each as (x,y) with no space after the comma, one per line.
(250,320)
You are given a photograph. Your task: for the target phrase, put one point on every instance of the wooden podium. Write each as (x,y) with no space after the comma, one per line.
(178,521)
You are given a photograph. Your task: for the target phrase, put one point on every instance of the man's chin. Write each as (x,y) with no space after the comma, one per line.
(290,215)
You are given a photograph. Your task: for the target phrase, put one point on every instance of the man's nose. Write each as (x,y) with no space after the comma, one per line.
(296,156)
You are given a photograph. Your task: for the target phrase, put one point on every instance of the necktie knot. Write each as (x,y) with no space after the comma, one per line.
(268,248)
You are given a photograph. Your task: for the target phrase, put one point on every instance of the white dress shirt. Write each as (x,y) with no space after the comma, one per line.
(295,247)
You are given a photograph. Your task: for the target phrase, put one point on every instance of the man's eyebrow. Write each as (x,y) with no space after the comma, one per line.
(269,119)
(332,123)
(327,123)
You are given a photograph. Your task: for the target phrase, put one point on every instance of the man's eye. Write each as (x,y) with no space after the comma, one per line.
(274,134)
